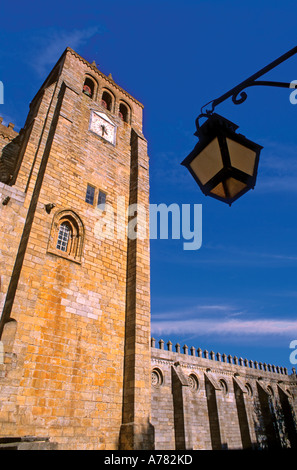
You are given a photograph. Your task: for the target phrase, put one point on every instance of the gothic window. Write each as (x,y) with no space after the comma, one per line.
(224,387)
(90,194)
(249,390)
(106,100)
(64,235)
(157,377)
(89,87)
(124,112)
(67,235)
(193,382)
(7,339)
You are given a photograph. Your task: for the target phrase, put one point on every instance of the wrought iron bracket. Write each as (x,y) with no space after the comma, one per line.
(239,96)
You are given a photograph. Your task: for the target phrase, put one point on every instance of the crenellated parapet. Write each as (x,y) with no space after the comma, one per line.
(221,358)
(207,400)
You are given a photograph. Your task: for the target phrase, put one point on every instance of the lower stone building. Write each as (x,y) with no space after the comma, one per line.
(212,402)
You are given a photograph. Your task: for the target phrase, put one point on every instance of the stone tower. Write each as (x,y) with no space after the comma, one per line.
(75,292)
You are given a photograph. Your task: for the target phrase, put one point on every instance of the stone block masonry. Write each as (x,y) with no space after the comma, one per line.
(204,400)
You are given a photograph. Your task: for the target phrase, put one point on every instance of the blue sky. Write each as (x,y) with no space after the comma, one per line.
(237,294)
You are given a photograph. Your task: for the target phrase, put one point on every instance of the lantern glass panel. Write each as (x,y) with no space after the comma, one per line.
(208,163)
(241,157)
(229,188)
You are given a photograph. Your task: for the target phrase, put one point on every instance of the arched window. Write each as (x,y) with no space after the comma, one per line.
(224,387)
(124,112)
(67,235)
(8,337)
(193,382)
(157,377)
(89,87)
(249,390)
(7,346)
(106,100)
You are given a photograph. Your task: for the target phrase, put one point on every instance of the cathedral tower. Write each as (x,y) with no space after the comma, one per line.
(75,289)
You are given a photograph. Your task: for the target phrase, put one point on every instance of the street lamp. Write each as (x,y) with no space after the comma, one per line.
(223,162)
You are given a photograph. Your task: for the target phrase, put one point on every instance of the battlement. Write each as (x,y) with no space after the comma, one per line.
(221,358)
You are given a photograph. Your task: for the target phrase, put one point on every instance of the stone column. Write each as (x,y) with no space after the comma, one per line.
(247,433)
(136,430)
(182,412)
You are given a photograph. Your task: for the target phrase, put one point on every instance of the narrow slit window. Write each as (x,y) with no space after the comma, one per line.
(101,200)
(90,194)
(63,237)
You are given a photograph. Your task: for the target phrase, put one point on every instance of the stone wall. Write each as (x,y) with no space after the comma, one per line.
(203,400)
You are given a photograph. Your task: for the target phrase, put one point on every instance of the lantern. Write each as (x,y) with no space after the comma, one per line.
(223,163)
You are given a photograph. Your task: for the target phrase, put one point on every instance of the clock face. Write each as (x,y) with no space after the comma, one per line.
(103,126)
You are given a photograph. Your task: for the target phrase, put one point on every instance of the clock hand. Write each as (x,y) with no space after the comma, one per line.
(104,131)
